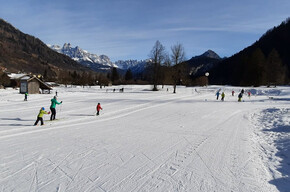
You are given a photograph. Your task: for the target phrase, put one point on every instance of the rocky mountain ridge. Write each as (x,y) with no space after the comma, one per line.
(93,61)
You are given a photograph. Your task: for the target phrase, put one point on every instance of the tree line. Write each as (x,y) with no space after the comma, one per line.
(266,62)
(162,68)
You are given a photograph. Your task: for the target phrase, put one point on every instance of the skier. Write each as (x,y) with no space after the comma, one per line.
(233,93)
(217,94)
(99,108)
(240,97)
(40,115)
(55,93)
(249,94)
(223,96)
(25,96)
(52,107)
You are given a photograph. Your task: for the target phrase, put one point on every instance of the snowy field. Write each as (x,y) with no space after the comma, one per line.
(146,141)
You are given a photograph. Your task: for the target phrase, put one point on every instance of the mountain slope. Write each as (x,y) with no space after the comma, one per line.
(22,52)
(134,65)
(265,62)
(198,65)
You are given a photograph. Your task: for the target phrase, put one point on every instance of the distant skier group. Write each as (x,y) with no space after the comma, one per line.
(240,95)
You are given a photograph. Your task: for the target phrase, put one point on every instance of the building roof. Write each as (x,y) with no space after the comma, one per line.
(17,75)
(43,85)
(25,77)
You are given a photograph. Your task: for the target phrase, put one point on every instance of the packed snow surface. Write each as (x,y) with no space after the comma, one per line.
(146,141)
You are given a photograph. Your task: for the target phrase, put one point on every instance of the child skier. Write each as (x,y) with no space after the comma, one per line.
(99,108)
(25,96)
(40,115)
(223,96)
(240,97)
(217,95)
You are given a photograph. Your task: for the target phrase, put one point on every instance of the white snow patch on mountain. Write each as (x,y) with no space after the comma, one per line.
(83,56)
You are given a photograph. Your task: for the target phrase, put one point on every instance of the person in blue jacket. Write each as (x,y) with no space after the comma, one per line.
(52,107)
(217,94)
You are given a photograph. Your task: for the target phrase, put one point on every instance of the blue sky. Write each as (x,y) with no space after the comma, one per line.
(128,29)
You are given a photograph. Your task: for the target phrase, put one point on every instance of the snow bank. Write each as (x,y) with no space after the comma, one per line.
(273,135)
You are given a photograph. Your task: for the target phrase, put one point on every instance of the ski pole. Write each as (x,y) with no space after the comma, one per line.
(60,110)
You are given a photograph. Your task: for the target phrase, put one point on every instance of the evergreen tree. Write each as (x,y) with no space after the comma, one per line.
(276,72)
(254,73)
(128,75)
(45,74)
(115,75)
(108,75)
(4,79)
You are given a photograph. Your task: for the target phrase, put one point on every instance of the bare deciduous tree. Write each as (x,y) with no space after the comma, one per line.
(177,57)
(167,61)
(157,55)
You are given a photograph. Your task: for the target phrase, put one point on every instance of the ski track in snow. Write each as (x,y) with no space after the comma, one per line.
(144,141)
(109,116)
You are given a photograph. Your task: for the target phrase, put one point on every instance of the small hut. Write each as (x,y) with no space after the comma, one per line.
(32,85)
(15,78)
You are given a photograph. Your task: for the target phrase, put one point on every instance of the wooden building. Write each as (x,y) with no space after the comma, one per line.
(33,85)
(15,78)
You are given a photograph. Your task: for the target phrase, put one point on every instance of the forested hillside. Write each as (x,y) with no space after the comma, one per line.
(266,62)
(25,53)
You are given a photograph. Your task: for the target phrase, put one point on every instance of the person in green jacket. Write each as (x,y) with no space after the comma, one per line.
(52,107)
(40,115)
(25,96)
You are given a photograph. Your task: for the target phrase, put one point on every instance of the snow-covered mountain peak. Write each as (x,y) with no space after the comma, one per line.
(93,61)
(134,65)
(129,63)
(55,47)
(66,46)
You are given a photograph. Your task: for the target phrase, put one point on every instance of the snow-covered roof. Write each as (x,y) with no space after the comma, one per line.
(25,78)
(17,75)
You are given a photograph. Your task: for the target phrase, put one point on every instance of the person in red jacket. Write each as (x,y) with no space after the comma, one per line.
(99,108)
